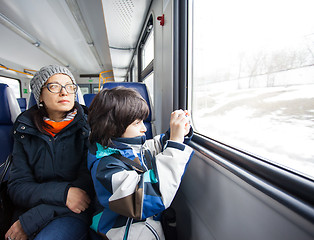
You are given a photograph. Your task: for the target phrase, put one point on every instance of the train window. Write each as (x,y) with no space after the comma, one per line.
(14,84)
(146,58)
(148,50)
(253,78)
(95,89)
(149,81)
(85,89)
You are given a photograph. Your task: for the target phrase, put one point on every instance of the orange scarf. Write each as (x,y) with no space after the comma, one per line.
(56,126)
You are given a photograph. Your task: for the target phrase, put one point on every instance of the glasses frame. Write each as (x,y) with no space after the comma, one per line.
(65,86)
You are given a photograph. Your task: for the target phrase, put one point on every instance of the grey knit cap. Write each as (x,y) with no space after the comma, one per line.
(43,75)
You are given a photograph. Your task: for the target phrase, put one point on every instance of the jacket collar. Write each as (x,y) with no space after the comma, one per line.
(26,118)
(123,143)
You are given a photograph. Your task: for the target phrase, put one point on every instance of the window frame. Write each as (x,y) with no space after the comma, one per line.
(19,81)
(180,45)
(150,67)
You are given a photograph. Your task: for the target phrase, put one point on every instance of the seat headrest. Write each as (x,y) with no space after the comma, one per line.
(88,98)
(22,102)
(31,101)
(10,108)
(140,87)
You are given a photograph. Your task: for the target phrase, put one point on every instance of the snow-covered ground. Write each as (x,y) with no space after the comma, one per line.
(275,123)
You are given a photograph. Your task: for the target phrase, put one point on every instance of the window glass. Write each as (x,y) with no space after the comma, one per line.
(149,81)
(14,84)
(253,77)
(95,89)
(148,50)
(84,89)
(133,73)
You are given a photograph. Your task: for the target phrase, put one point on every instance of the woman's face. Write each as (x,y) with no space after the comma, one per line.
(57,103)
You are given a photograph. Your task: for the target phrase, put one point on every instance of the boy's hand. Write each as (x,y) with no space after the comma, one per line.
(188,125)
(179,126)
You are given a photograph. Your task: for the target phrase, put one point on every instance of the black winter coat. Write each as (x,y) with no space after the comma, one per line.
(45,167)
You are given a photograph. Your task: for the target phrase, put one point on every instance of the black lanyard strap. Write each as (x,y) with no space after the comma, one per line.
(129,162)
(148,157)
(6,166)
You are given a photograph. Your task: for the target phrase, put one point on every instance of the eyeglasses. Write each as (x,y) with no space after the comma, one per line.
(57,88)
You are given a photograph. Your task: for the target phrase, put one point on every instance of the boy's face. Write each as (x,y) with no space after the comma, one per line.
(135,129)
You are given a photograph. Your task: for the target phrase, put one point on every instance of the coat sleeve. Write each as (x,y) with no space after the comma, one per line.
(36,218)
(170,165)
(171,160)
(158,143)
(25,191)
(142,195)
(84,180)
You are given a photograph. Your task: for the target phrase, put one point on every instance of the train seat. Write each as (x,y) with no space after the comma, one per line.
(142,89)
(79,96)
(88,98)
(10,109)
(31,101)
(22,103)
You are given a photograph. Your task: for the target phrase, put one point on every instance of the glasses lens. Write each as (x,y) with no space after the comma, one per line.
(54,87)
(71,88)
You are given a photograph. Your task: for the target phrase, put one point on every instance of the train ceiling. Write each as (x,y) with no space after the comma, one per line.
(88,36)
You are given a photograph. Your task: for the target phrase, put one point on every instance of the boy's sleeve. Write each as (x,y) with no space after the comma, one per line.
(158,143)
(171,164)
(171,160)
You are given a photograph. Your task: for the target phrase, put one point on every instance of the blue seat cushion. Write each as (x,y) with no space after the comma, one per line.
(5,114)
(88,98)
(22,103)
(6,142)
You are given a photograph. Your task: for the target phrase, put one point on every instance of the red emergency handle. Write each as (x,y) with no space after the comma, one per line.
(161,19)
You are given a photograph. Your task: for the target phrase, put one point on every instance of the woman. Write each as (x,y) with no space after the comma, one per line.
(49,181)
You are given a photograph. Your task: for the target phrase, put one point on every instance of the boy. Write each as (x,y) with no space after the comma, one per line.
(132,197)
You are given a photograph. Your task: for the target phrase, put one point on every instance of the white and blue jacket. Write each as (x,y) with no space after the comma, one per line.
(131,201)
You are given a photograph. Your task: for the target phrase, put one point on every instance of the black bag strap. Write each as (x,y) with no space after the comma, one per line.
(6,166)
(129,161)
(148,157)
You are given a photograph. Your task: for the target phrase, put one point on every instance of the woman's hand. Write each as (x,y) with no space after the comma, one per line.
(16,232)
(179,125)
(77,200)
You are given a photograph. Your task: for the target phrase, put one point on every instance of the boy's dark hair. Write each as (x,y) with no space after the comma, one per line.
(112,111)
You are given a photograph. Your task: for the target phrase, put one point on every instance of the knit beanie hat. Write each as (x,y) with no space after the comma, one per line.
(43,75)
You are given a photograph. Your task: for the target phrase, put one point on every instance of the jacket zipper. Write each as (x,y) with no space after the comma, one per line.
(127,228)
